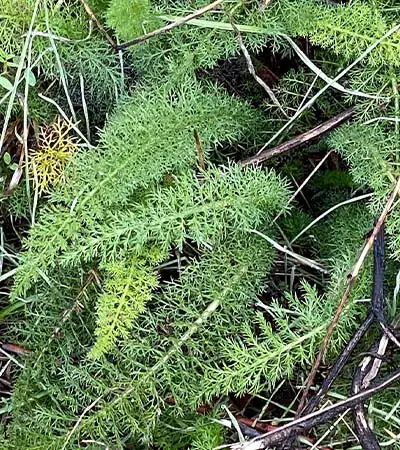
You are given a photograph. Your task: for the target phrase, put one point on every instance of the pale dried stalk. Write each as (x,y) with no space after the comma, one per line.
(253,73)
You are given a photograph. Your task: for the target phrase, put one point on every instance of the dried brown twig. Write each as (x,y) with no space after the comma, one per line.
(368,369)
(200,151)
(100,27)
(249,430)
(364,375)
(170,26)
(300,139)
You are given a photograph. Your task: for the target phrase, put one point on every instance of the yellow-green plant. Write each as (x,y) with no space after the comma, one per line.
(56,146)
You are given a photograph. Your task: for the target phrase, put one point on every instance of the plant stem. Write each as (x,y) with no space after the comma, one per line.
(169,27)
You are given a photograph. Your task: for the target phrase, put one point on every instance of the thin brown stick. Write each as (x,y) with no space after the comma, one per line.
(352,279)
(170,26)
(365,373)
(377,309)
(299,140)
(200,151)
(100,27)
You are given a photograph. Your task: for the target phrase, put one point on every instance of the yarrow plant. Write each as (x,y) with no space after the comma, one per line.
(161,281)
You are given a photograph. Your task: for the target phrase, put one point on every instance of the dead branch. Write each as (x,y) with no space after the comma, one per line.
(352,279)
(299,140)
(251,431)
(273,438)
(96,21)
(339,364)
(376,310)
(170,26)
(378,307)
(368,369)
(364,374)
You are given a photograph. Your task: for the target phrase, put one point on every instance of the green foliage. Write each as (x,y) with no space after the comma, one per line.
(371,166)
(351,223)
(294,86)
(172,351)
(153,129)
(332,179)
(187,48)
(194,431)
(61,47)
(129,286)
(295,222)
(130,18)
(224,203)
(340,238)
(344,29)
(300,323)
(393,227)
(158,145)
(130,347)
(259,361)
(372,153)
(164,357)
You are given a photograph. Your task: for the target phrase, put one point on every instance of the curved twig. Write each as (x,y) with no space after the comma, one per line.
(170,26)
(99,26)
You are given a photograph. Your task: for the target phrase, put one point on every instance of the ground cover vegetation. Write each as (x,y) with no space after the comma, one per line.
(199,212)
